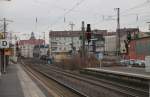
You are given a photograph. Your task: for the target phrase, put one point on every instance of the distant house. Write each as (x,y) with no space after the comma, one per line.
(27,46)
(139,48)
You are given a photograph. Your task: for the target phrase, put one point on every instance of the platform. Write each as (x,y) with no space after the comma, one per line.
(16,83)
(124,71)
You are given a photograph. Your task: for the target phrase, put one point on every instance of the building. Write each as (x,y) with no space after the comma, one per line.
(139,48)
(123,37)
(110,44)
(66,42)
(111,40)
(27,46)
(97,41)
(40,50)
(63,43)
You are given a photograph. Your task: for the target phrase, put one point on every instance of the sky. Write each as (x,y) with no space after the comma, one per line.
(40,16)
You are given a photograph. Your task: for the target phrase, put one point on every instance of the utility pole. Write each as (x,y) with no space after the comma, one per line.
(83,40)
(39,47)
(50,39)
(83,44)
(44,43)
(72,25)
(15,47)
(118,32)
(44,38)
(2,56)
(5,26)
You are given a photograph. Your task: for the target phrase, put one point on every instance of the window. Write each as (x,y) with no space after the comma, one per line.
(65,38)
(54,48)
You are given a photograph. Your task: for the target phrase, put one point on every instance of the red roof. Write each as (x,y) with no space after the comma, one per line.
(73,33)
(31,41)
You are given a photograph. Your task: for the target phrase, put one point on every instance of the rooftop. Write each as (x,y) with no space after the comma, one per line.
(74,33)
(31,41)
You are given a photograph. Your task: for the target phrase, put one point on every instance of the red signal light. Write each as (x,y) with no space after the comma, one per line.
(88,36)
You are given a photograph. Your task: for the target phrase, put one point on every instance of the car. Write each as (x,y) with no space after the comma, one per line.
(140,63)
(124,62)
(132,61)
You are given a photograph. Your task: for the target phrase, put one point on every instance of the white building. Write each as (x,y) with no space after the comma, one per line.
(110,44)
(64,43)
(27,46)
(61,41)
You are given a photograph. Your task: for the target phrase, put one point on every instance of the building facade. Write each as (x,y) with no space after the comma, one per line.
(97,43)
(111,40)
(134,32)
(110,44)
(40,50)
(139,48)
(66,42)
(26,47)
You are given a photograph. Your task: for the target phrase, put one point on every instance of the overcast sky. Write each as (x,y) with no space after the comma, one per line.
(57,14)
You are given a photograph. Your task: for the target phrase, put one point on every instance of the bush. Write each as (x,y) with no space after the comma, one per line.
(77,62)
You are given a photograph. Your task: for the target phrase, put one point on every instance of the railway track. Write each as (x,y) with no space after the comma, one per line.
(144,90)
(117,90)
(53,88)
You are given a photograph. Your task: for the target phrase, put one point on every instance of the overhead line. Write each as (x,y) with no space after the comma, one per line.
(76,5)
(122,13)
(70,10)
(135,7)
(125,11)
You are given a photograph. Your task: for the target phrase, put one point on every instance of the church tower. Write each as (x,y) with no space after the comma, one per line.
(32,36)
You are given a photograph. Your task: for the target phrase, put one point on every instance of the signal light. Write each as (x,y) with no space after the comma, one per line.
(88,32)
(88,36)
(129,36)
(17,46)
(88,28)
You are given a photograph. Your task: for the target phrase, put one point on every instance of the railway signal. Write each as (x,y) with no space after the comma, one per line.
(88,33)
(129,36)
